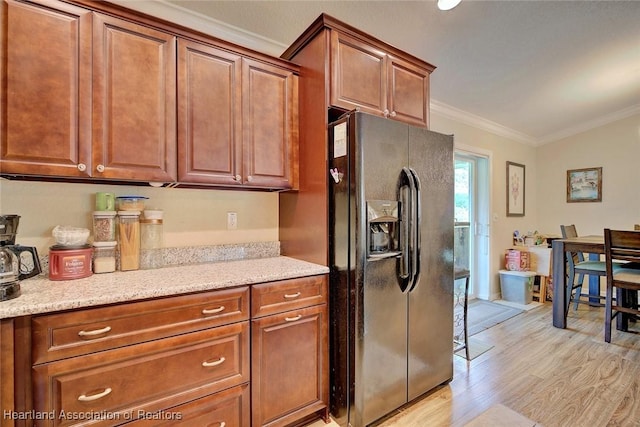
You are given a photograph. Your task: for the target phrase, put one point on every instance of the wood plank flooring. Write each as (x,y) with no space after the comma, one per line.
(555,377)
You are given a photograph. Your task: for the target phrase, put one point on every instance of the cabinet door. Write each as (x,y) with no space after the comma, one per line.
(134,107)
(209,115)
(45,112)
(408,92)
(289,366)
(270,126)
(358,75)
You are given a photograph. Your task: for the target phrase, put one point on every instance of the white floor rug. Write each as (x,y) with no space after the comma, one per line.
(476,348)
(527,307)
(484,314)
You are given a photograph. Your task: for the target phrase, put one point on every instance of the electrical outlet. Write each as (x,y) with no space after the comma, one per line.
(232,220)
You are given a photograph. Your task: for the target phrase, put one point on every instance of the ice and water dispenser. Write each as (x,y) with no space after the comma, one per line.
(383,226)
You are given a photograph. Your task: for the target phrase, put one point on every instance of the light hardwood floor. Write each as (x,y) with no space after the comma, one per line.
(556,377)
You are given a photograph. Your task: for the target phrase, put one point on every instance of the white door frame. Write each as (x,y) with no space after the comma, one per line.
(481,228)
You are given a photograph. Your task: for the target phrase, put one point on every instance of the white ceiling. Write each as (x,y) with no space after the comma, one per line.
(535,71)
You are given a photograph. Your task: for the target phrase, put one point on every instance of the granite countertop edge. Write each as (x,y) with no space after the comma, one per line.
(41,295)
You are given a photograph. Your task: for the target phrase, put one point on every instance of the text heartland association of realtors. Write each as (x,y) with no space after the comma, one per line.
(90,415)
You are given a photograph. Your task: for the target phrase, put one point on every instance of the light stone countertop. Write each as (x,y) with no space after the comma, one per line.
(41,295)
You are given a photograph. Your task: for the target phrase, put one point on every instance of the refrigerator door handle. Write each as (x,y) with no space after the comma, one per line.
(416,220)
(406,193)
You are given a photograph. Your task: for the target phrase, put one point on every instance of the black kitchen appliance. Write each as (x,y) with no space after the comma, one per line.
(16,262)
(391,260)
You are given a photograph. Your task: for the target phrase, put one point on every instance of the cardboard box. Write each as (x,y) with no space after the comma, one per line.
(517,260)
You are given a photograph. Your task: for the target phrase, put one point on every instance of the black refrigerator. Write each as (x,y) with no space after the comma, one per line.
(391,261)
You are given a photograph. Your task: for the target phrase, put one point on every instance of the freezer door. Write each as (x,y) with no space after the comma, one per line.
(381,306)
(430,325)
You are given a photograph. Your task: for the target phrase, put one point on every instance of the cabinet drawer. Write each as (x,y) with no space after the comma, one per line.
(128,382)
(276,297)
(70,334)
(230,408)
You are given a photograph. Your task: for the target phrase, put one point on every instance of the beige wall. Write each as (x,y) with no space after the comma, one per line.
(192,217)
(499,150)
(198,217)
(614,147)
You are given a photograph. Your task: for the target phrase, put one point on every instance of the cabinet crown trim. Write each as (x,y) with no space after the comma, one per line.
(325,21)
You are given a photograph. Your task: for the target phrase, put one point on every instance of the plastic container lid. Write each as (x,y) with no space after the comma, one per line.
(132,197)
(105,244)
(153,213)
(519,273)
(128,213)
(69,247)
(105,213)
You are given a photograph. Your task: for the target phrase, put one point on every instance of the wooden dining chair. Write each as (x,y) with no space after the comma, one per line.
(621,246)
(578,266)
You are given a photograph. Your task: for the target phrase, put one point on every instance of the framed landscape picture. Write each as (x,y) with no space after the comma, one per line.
(584,185)
(515,189)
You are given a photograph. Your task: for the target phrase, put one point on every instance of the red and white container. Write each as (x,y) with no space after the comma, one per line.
(70,262)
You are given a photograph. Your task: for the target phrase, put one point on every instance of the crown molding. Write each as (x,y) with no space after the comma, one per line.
(174,13)
(480,123)
(591,124)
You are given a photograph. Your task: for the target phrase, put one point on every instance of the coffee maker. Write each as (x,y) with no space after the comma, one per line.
(16,262)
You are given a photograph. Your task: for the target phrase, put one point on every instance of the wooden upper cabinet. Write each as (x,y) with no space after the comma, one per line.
(364,76)
(270,125)
(363,72)
(101,93)
(237,119)
(45,112)
(134,101)
(407,91)
(209,113)
(358,75)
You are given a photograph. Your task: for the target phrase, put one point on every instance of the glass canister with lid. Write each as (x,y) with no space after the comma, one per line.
(104,226)
(129,239)
(151,240)
(104,257)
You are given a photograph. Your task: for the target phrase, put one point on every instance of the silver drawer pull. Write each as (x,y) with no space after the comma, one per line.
(95,332)
(291,296)
(216,363)
(293,319)
(220,424)
(213,310)
(85,398)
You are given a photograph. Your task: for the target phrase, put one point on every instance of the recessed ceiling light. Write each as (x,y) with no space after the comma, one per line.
(448,4)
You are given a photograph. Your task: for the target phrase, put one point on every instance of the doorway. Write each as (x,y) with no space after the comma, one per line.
(471,222)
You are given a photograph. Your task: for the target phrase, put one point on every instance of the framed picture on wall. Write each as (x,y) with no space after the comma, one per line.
(584,185)
(515,189)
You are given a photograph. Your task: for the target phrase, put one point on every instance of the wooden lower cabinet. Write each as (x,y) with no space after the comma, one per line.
(289,363)
(205,359)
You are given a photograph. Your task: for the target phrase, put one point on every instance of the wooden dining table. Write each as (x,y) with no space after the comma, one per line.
(594,246)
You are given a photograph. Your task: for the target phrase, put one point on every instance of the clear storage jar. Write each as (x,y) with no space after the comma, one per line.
(104,226)
(104,257)
(151,243)
(129,239)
